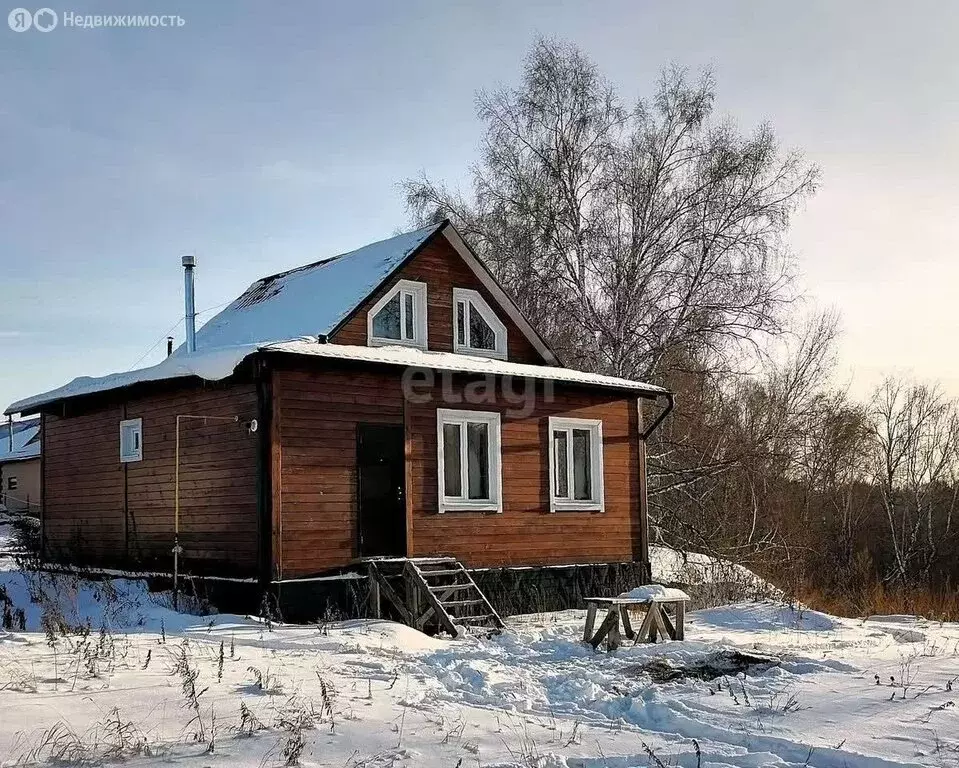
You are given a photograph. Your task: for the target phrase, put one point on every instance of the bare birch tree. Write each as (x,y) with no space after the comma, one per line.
(634,236)
(647,240)
(915,431)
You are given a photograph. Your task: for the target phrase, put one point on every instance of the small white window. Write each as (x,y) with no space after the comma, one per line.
(131,440)
(476,328)
(576,464)
(469,462)
(399,317)
(12,483)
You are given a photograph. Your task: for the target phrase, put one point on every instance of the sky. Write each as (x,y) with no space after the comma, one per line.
(261,136)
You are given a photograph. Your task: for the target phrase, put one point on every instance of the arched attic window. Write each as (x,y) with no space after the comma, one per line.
(476,328)
(399,317)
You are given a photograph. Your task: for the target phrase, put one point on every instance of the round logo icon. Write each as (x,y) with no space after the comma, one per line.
(20,19)
(45,20)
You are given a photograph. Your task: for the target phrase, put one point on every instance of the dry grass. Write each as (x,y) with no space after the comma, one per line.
(875,599)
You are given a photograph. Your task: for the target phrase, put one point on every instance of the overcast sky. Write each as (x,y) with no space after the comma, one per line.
(260,136)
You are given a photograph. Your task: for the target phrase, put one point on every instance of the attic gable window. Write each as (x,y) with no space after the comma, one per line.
(399,317)
(476,328)
(131,440)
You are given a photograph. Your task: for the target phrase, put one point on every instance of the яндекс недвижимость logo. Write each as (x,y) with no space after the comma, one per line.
(47,19)
(44,19)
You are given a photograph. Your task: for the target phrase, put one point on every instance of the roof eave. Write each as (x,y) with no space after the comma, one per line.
(349,315)
(465,250)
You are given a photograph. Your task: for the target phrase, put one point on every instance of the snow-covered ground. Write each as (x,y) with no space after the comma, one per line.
(819,690)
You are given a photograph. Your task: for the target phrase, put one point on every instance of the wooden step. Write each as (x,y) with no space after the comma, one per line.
(419,601)
(485,618)
(456,603)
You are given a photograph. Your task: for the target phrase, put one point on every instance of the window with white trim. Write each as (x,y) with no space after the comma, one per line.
(131,440)
(12,483)
(469,468)
(576,464)
(399,317)
(476,328)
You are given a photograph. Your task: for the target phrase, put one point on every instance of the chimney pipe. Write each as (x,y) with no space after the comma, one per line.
(169,346)
(189,263)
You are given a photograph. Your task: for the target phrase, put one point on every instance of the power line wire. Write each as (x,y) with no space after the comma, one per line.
(156,344)
(170,330)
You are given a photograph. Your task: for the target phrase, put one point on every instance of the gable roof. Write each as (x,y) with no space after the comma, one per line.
(26,440)
(317,299)
(312,299)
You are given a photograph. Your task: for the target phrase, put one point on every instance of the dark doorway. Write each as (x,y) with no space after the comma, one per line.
(381,480)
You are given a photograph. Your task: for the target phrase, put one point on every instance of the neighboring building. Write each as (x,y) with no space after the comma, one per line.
(20,466)
(392,401)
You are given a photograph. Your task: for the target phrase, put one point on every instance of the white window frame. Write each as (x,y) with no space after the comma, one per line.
(595,427)
(475,302)
(131,453)
(13,483)
(463,417)
(418,291)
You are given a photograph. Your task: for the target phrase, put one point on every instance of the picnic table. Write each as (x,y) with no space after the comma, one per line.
(653,599)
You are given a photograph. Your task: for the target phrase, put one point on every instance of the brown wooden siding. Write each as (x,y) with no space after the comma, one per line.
(314,461)
(314,464)
(122,514)
(100,510)
(526,532)
(441,268)
(83,490)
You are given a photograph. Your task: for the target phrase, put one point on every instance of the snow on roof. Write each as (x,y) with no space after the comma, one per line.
(411,357)
(211,364)
(215,364)
(309,300)
(26,441)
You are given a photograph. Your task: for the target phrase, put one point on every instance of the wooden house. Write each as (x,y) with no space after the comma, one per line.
(391,402)
(20,467)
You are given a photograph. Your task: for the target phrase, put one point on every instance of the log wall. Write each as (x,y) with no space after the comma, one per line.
(315,415)
(526,532)
(101,511)
(441,268)
(314,468)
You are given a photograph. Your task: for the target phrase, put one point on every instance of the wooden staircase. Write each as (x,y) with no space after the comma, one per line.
(432,594)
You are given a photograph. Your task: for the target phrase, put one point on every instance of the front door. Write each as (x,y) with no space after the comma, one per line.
(381,479)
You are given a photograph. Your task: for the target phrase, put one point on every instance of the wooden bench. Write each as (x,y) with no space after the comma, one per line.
(655,623)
